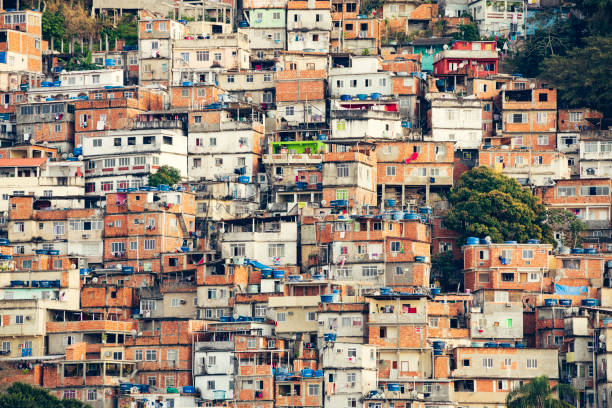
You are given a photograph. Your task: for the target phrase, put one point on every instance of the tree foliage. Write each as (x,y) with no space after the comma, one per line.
(567,224)
(467,32)
(582,76)
(539,394)
(165,175)
(486,203)
(573,52)
(448,271)
(27,396)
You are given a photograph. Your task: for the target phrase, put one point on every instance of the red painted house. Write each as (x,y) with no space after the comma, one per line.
(465,59)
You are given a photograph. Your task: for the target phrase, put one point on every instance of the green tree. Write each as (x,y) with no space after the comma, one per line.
(53,26)
(539,394)
(27,396)
(582,76)
(448,271)
(165,175)
(567,224)
(467,32)
(486,203)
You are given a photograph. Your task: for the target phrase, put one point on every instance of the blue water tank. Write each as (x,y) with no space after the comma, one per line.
(393,387)
(327,298)
(565,302)
(533,241)
(278,274)
(590,302)
(590,251)
(307,372)
(438,344)
(362,97)
(550,302)
(510,242)
(577,251)
(435,291)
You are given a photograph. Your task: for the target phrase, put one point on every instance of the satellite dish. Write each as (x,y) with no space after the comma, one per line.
(64,156)
(235,316)
(602,337)
(32,141)
(94,279)
(134,332)
(45,143)
(118,266)
(503,87)
(80,157)
(175,186)
(532,85)
(72,266)
(249,99)
(70,155)
(445,46)
(323,202)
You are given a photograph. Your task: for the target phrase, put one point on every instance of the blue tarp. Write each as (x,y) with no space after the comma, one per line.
(571,290)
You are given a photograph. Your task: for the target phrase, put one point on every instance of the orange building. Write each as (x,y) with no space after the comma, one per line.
(506,266)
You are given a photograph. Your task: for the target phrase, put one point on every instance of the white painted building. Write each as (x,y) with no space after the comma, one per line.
(225,150)
(456,120)
(92,78)
(350,370)
(214,374)
(39,177)
(596,156)
(124,159)
(364,77)
(499,17)
(370,124)
(270,241)
(309,28)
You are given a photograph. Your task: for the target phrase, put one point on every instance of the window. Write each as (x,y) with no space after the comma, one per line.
(139,160)
(311,316)
(368,271)
(289,111)
(169,381)
(341,194)
(167,140)
(19,227)
(151,355)
(396,246)
(58,228)
(149,244)
(594,191)
(124,161)
(106,185)
(237,250)
(202,56)
(267,77)
(575,116)
(433,322)
(543,140)
(527,253)
(382,82)
(249,78)
(532,363)
(19,319)
(368,83)
(353,83)
(252,343)
(487,362)
(281,317)
(342,170)
(69,394)
(390,170)
(313,389)
(276,250)
(538,159)
(566,191)
(517,118)
(117,247)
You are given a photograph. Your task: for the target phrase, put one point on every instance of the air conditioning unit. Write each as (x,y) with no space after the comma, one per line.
(85,236)
(107,354)
(146,313)
(508,304)
(28,318)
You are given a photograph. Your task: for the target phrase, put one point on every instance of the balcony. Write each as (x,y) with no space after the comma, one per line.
(160,124)
(290,158)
